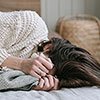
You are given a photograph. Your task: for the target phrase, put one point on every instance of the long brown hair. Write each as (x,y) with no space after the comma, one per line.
(75,67)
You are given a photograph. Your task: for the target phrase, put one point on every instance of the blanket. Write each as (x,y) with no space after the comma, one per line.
(86,93)
(16,80)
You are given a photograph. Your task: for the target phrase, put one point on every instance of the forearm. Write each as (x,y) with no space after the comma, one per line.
(13,62)
(36,67)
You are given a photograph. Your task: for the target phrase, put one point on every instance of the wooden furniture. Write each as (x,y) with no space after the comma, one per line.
(11,5)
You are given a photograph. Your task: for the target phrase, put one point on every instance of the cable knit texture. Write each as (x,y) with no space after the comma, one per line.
(20,32)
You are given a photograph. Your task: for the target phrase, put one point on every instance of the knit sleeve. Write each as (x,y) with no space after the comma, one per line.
(31,27)
(40,28)
(4,31)
(3,55)
(33,31)
(40,31)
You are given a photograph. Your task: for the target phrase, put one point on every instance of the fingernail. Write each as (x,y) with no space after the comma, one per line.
(47,71)
(43,74)
(52,65)
(49,60)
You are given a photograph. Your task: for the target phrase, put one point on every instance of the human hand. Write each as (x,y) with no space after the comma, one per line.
(47,83)
(37,67)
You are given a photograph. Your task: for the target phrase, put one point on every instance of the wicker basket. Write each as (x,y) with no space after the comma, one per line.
(83,31)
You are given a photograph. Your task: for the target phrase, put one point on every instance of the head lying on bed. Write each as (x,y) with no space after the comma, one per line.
(74,66)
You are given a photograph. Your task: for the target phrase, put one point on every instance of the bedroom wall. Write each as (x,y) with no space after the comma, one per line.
(98,8)
(51,10)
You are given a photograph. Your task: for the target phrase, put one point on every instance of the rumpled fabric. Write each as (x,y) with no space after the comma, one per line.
(16,80)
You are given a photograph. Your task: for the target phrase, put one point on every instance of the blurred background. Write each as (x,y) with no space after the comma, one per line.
(51,10)
(84,33)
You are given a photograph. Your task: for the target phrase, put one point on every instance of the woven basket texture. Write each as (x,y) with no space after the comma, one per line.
(83,31)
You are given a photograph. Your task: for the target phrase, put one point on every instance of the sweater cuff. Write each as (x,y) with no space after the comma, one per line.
(3,55)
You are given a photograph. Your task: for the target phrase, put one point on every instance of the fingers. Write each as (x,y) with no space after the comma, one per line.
(56,81)
(47,63)
(44,84)
(39,65)
(38,71)
(47,83)
(48,59)
(35,55)
(33,73)
(40,85)
(51,80)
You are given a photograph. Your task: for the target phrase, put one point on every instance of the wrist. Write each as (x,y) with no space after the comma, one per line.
(25,65)
(13,62)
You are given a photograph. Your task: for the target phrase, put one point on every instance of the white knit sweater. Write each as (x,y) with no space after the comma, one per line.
(20,32)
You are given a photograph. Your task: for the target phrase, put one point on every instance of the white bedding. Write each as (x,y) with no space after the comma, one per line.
(64,94)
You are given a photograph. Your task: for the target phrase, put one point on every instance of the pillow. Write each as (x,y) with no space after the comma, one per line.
(54,34)
(83,31)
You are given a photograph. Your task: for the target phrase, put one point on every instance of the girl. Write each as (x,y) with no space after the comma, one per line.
(73,66)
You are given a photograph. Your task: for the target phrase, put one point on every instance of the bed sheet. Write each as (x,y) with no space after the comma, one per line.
(63,94)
